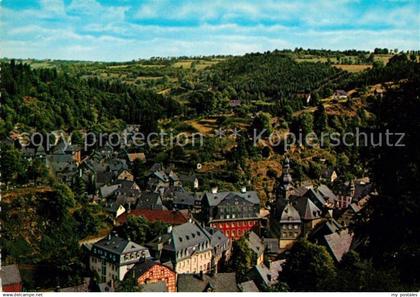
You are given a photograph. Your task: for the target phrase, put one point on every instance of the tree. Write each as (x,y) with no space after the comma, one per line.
(85,222)
(320,119)
(309,267)
(241,258)
(12,164)
(262,122)
(136,229)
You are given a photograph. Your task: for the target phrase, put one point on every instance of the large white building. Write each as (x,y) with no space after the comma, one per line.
(112,257)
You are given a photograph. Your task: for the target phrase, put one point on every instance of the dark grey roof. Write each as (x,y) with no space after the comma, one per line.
(104,177)
(10,274)
(362,190)
(118,245)
(220,282)
(189,235)
(271,245)
(255,243)
(290,214)
(186,198)
(248,286)
(307,209)
(312,193)
(215,198)
(217,237)
(339,243)
(327,193)
(149,200)
(154,287)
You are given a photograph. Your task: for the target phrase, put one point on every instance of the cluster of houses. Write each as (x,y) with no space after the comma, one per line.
(195,252)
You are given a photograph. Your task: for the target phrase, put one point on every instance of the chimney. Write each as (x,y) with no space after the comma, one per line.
(169,230)
(129,207)
(201,275)
(269,277)
(243,189)
(214,190)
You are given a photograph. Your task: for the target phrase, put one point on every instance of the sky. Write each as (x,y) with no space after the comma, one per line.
(123,30)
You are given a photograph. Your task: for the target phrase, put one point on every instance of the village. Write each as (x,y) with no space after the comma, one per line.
(194,252)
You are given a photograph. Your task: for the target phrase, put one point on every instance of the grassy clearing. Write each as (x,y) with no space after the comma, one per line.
(353,67)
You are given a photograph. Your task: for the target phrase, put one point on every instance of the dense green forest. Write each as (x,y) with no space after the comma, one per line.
(46,99)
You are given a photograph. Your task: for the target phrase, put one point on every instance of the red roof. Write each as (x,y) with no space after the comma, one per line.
(170,217)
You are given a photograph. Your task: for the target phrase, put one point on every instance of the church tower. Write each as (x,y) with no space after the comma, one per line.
(284,188)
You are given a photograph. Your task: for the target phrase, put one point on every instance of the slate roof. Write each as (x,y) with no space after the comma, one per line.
(118,245)
(265,274)
(248,286)
(188,235)
(214,199)
(104,177)
(271,245)
(152,215)
(10,275)
(361,190)
(255,243)
(327,193)
(316,196)
(356,208)
(290,215)
(307,209)
(186,198)
(299,192)
(107,191)
(220,282)
(339,243)
(217,237)
(154,287)
(149,200)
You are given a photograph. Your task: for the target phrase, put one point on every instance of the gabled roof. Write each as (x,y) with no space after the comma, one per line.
(149,200)
(142,267)
(255,243)
(152,215)
(107,191)
(307,209)
(327,193)
(316,196)
(290,214)
(10,274)
(118,245)
(186,198)
(214,199)
(220,282)
(188,235)
(339,243)
(217,237)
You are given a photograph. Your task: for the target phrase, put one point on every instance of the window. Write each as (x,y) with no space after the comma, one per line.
(227,233)
(233,232)
(296,226)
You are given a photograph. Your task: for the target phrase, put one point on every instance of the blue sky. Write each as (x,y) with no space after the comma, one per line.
(118,30)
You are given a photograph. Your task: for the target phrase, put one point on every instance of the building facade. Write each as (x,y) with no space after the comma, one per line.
(112,257)
(232,212)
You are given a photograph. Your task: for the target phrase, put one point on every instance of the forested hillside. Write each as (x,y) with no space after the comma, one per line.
(46,99)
